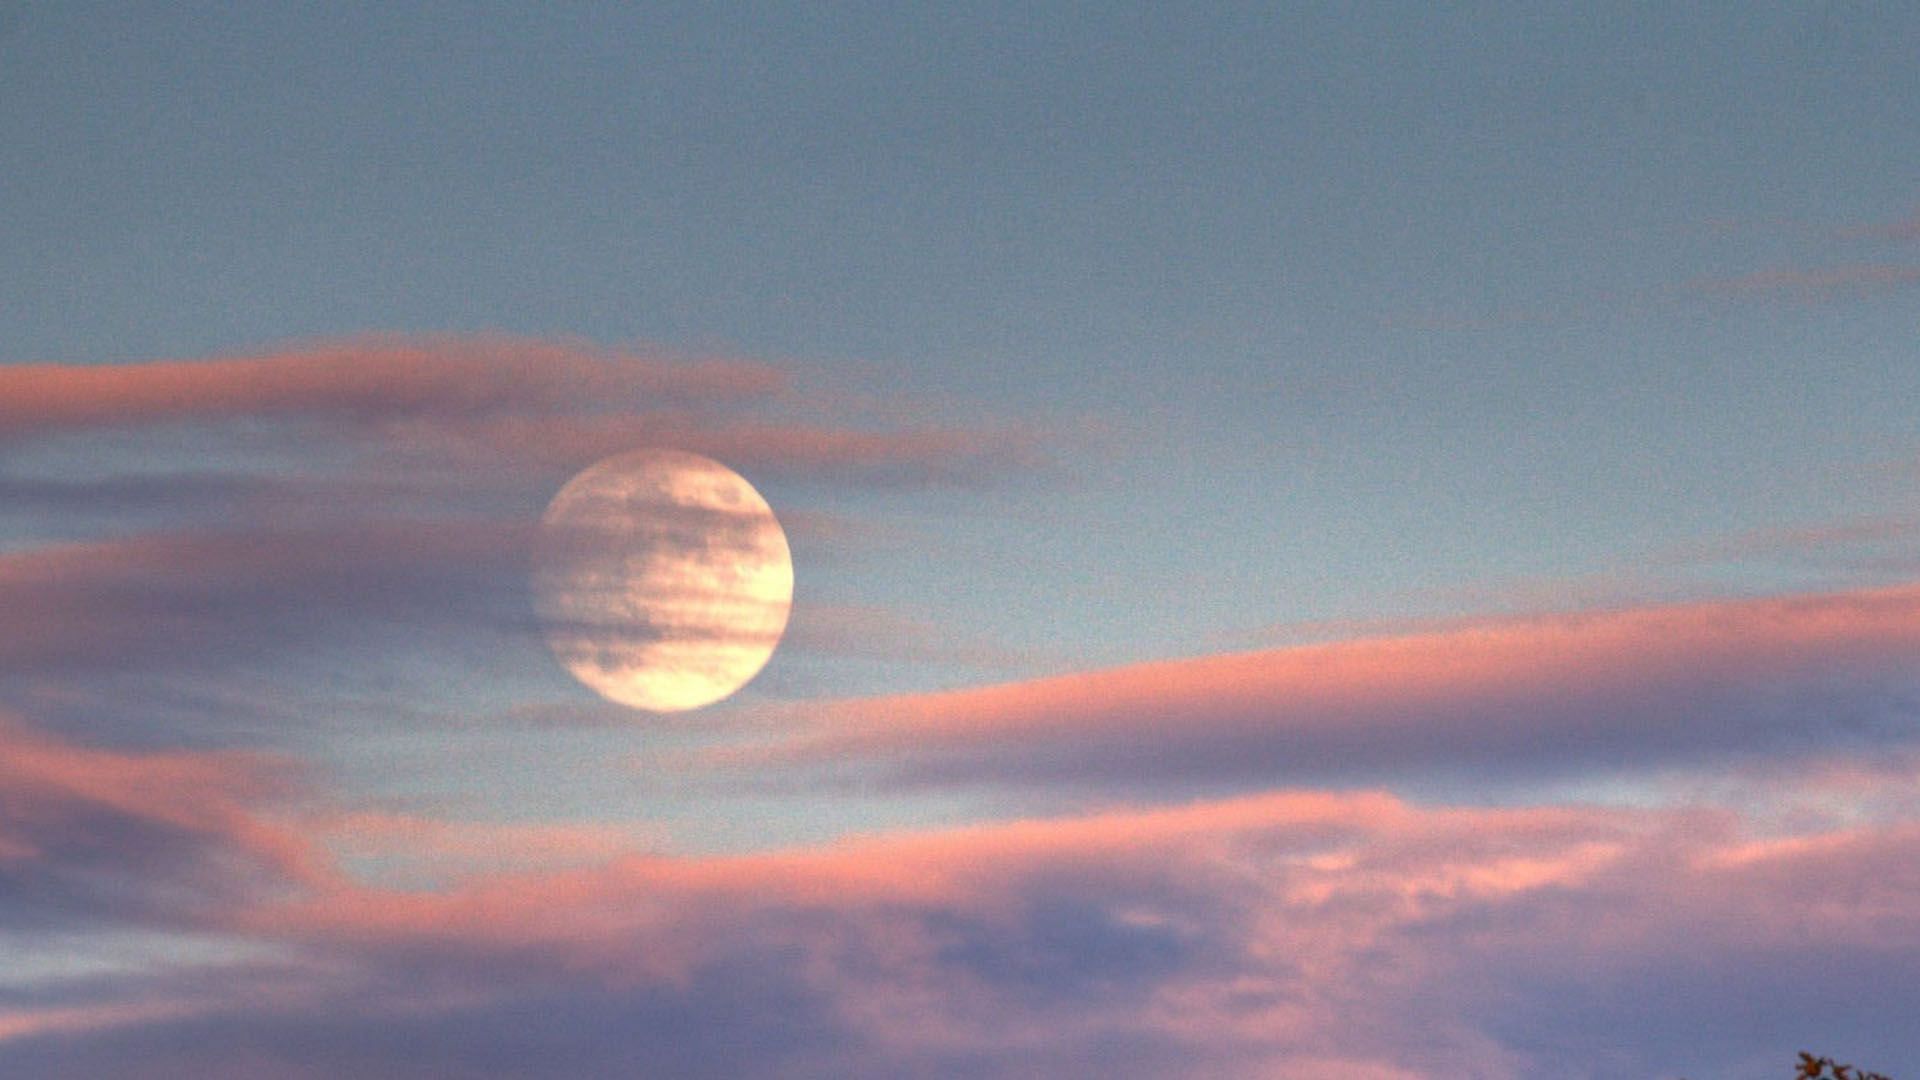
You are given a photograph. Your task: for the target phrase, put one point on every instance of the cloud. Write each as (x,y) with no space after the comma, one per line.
(1898,229)
(201,493)
(1806,285)
(92,836)
(208,552)
(1816,283)
(1800,542)
(367,379)
(261,595)
(1289,932)
(188,597)
(1268,935)
(1539,695)
(521,407)
(789,449)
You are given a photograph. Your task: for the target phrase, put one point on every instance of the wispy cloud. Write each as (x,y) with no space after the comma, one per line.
(94,836)
(501,403)
(1832,541)
(368,379)
(184,597)
(790,448)
(1895,229)
(1811,283)
(1825,276)
(405,525)
(1539,695)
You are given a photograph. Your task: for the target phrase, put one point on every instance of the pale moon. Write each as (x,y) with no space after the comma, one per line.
(662,579)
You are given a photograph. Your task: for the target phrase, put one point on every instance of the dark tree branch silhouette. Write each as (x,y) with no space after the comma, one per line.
(1825,1068)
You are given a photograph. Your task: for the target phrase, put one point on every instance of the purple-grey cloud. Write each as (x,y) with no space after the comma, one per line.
(184,598)
(1289,933)
(98,837)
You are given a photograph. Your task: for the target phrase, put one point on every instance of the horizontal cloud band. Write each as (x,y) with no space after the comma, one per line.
(1535,695)
(1286,933)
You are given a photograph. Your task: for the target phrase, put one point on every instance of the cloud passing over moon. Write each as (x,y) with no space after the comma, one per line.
(662,579)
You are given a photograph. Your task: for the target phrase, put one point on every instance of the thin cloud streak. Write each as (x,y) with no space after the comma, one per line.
(788,449)
(1795,284)
(514,409)
(367,379)
(1897,229)
(1815,283)
(174,598)
(198,601)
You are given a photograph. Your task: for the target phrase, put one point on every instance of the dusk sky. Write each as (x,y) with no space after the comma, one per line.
(1360,540)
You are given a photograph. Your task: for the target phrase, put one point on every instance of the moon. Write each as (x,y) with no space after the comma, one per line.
(662,579)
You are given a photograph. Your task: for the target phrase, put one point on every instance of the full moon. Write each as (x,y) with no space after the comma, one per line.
(662,579)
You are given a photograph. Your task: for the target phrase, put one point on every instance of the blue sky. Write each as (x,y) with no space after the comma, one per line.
(1565,348)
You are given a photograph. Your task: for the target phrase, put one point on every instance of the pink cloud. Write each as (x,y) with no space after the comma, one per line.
(1550,693)
(1251,936)
(110,835)
(368,378)
(516,405)
(29,1023)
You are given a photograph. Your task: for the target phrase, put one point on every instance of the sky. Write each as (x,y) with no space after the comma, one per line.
(1377,540)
